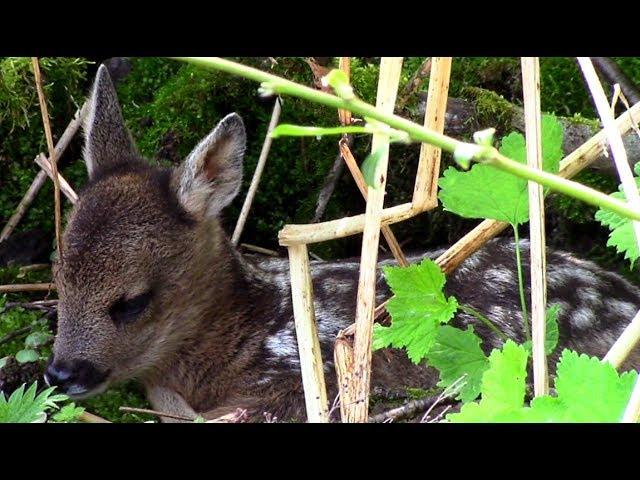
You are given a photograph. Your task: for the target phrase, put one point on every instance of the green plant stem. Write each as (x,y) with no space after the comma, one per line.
(468,309)
(523,300)
(480,153)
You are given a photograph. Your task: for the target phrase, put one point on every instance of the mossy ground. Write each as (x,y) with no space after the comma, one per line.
(169,106)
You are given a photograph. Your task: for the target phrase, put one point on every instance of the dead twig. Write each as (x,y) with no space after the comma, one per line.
(52,154)
(257,175)
(356,173)
(156,413)
(87,417)
(329,185)
(44,163)
(414,83)
(239,416)
(41,177)
(255,248)
(15,334)
(612,72)
(408,410)
(27,287)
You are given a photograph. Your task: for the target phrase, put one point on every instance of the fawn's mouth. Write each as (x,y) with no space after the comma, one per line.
(79,392)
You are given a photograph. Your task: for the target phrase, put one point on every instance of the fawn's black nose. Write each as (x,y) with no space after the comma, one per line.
(74,377)
(59,375)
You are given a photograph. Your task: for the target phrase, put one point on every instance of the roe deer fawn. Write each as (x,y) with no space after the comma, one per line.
(150,288)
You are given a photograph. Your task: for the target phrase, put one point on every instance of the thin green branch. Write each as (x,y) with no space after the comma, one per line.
(523,300)
(481,153)
(468,309)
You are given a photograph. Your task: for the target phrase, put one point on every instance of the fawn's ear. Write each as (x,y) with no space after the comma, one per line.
(211,176)
(107,140)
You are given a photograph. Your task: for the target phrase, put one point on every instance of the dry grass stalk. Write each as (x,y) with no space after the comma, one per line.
(360,376)
(343,359)
(52,153)
(311,364)
(356,173)
(292,234)
(344,64)
(40,178)
(614,138)
(27,287)
(45,165)
(156,413)
(531,90)
(257,175)
(572,164)
(426,186)
(91,418)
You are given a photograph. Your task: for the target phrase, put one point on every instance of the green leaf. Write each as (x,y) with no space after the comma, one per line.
(37,339)
(69,413)
(3,361)
(457,353)
(487,192)
(552,333)
(503,388)
(339,81)
(371,166)
(622,235)
(588,390)
(25,406)
(27,355)
(417,308)
(551,330)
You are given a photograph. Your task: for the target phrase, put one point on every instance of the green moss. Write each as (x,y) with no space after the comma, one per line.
(493,109)
(107,404)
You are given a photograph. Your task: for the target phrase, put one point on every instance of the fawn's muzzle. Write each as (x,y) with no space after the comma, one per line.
(76,378)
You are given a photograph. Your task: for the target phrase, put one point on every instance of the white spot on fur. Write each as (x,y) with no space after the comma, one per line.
(283,345)
(624,309)
(583,318)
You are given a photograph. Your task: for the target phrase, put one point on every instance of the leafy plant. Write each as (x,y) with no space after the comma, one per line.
(27,407)
(588,390)
(417,309)
(68,414)
(622,235)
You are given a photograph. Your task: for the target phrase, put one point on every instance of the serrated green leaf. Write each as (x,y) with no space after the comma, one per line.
(552,333)
(622,235)
(487,192)
(37,339)
(457,353)
(588,390)
(27,355)
(25,406)
(503,388)
(592,390)
(417,308)
(371,166)
(68,413)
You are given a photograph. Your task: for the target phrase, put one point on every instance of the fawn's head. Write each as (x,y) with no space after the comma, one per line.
(133,246)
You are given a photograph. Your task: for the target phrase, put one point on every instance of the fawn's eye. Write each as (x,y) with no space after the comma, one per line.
(126,311)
